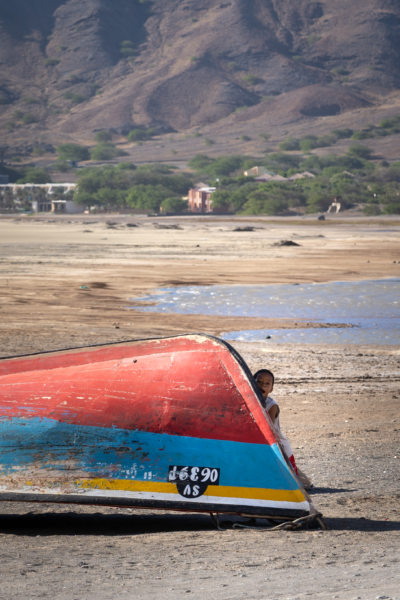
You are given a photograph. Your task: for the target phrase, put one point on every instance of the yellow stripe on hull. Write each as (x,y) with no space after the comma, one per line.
(128,485)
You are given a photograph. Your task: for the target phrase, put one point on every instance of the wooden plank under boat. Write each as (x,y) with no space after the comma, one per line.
(170,423)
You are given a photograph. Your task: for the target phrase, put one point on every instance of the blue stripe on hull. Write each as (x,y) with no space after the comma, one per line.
(35,445)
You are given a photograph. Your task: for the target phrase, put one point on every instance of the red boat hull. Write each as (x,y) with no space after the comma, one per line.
(172,422)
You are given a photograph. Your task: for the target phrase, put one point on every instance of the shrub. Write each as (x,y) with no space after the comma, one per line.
(199,162)
(290,144)
(35,175)
(140,134)
(251,79)
(104,151)
(51,62)
(5,97)
(61,165)
(73,152)
(392,208)
(126,166)
(392,123)
(141,189)
(308,143)
(147,197)
(74,98)
(343,133)
(393,172)
(360,151)
(326,140)
(371,210)
(262,202)
(28,119)
(174,205)
(280,162)
(103,136)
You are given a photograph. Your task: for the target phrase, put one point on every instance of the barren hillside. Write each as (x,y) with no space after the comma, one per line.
(70,68)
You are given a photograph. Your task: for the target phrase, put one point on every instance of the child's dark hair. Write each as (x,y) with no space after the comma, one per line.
(266,371)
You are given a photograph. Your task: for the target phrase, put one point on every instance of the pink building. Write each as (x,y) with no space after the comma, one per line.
(199,198)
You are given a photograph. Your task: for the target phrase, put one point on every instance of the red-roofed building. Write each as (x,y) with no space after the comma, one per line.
(199,198)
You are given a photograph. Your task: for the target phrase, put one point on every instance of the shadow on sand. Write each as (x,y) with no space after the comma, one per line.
(327,490)
(361,524)
(70,523)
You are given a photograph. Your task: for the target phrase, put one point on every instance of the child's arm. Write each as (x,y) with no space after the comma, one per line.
(273,412)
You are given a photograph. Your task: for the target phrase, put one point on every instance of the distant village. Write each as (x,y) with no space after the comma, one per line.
(59,197)
(200,197)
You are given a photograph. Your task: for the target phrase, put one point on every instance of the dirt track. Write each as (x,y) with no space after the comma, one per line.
(64,284)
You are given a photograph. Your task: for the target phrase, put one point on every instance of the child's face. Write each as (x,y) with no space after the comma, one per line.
(266,384)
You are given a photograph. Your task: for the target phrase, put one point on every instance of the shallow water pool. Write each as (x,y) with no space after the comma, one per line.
(371,307)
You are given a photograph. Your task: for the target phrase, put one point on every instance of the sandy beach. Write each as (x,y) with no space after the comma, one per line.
(68,281)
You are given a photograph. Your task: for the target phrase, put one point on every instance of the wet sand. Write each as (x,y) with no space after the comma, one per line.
(67,281)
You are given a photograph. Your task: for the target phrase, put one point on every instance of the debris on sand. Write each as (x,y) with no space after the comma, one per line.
(163,226)
(286,243)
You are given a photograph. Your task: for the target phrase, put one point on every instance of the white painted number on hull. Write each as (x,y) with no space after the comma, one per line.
(193,481)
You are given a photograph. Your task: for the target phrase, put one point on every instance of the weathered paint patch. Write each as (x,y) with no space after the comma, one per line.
(186,386)
(122,454)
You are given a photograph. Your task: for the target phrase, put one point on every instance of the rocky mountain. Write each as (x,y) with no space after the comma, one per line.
(70,68)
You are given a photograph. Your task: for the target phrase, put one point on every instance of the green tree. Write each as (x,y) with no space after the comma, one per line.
(290,144)
(308,143)
(232,194)
(174,204)
(126,166)
(318,201)
(105,151)
(140,134)
(200,162)
(326,140)
(13,174)
(221,200)
(61,165)
(360,151)
(156,169)
(73,152)
(110,197)
(281,162)
(391,123)
(35,175)
(371,210)
(349,162)
(29,118)
(147,197)
(393,172)
(92,180)
(262,202)
(103,136)
(343,133)
(392,208)
(318,194)
(217,167)
(225,165)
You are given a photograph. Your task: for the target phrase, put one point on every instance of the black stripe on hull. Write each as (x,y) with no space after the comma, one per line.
(256,511)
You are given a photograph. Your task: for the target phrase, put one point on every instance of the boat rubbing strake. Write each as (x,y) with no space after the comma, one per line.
(170,423)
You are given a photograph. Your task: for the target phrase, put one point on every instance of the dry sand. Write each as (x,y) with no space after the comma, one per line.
(67,281)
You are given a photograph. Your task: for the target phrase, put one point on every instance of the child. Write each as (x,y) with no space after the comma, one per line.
(265,381)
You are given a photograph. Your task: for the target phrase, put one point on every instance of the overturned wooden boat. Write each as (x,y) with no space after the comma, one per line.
(171,423)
